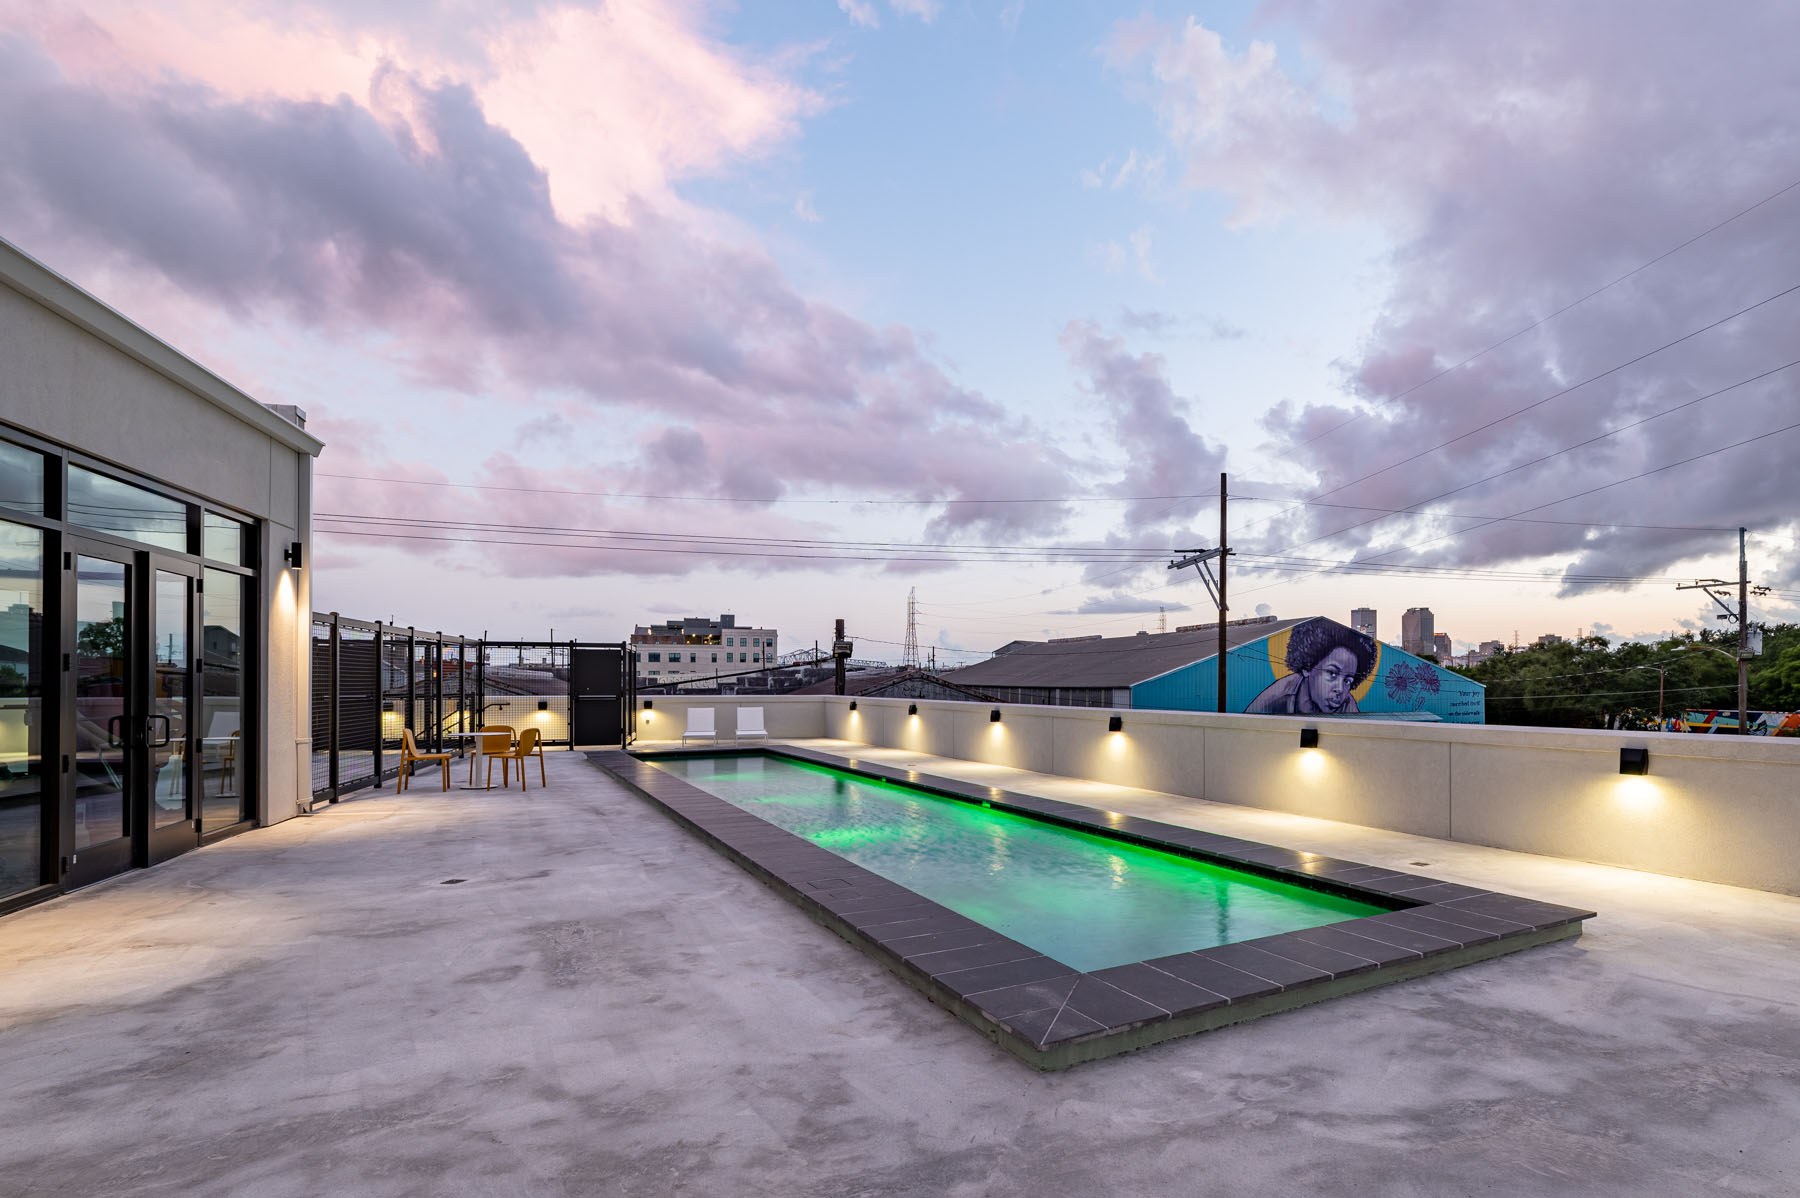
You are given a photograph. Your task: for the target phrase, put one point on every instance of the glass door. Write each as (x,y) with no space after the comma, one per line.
(130,782)
(173,814)
(101,713)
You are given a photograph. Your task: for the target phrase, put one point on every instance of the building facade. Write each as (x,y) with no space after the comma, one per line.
(698,647)
(1441,646)
(1363,620)
(1417,628)
(1284,667)
(154,525)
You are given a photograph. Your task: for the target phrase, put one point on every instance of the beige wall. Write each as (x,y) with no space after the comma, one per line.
(1721,809)
(79,374)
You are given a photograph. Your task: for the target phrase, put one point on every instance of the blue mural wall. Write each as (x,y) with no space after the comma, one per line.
(1319,667)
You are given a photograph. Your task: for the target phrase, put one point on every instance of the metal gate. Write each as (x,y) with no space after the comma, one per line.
(599,695)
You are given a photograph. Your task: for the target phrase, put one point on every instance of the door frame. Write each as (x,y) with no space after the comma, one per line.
(142,843)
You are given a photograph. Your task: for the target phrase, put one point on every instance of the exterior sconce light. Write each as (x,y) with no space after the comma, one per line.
(649,704)
(994,716)
(853,705)
(387,705)
(912,709)
(1634,761)
(543,705)
(293,555)
(1116,724)
(1309,738)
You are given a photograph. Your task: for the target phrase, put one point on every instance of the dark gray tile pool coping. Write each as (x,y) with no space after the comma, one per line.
(1052,1015)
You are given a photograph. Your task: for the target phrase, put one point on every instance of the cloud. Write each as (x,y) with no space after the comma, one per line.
(1116,257)
(803,208)
(1157,324)
(860,12)
(417,217)
(924,10)
(1123,605)
(1540,170)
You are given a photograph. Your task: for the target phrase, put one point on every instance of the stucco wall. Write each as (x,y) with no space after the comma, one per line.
(1721,809)
(81,375)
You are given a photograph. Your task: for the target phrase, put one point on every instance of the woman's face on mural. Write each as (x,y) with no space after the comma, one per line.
(1328,683)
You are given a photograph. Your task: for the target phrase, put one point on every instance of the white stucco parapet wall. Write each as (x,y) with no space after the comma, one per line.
(1720,809)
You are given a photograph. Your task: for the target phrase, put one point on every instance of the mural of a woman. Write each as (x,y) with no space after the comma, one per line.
(1328,662)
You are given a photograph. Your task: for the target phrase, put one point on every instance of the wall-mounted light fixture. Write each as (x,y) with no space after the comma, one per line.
(1309,738)
(994,716)
(543,705)
(853,705)
(649,704)
(387,705)
(1116,724)
(912,709)
(1634,761)
(293,555)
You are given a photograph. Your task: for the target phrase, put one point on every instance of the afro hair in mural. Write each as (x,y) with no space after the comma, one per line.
(1312,642)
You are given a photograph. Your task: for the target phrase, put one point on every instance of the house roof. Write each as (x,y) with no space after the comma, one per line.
(904,682)
(1107,661)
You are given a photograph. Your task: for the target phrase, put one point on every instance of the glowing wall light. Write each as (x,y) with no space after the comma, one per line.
(1309,738)
(543,705)
(912,709)
(994,716)
(1634,760)
(1116,724)
(649,704)
(853,705)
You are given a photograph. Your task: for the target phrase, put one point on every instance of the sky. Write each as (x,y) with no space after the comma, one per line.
(610,313)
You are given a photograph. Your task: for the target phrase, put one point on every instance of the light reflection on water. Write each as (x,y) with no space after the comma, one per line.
(1086,900)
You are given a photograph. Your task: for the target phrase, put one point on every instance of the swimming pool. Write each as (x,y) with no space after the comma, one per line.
(1034,1004)
(1088,900)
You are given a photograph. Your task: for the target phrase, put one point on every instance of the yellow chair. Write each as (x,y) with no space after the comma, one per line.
(530,745)
(490,745)
(409,755)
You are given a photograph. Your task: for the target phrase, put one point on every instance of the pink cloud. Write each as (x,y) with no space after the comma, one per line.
(1516,166)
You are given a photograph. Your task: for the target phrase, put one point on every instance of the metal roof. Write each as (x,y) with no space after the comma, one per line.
(1110,661)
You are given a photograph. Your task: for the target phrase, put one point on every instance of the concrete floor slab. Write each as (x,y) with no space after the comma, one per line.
(605,1006)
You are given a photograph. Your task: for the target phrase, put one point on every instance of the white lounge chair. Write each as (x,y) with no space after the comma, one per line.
(700,725)
(750,724)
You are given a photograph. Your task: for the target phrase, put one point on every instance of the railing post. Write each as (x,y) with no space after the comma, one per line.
(377,703)
(333,641)
(437,695)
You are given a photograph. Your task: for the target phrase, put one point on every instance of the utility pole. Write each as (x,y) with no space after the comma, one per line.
(1224,553)
(840,653)
(909,654)
(1749,645)
(1198,558)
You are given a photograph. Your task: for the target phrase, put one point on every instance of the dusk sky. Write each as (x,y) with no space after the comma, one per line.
(615,312)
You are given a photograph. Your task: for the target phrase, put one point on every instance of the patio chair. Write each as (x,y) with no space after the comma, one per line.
(496,741)
(750,724)
(410,756)
(529,746)
(700,725)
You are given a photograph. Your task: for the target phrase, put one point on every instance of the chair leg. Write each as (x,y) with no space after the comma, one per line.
(543,778)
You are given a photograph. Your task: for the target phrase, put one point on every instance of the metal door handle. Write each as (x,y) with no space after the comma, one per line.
(112,725)
(168,731)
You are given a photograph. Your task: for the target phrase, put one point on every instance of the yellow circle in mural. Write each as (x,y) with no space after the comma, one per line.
(1278,666)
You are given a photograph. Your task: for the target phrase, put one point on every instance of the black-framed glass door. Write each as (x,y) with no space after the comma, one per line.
(129,786)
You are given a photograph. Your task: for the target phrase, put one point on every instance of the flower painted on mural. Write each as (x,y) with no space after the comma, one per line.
(1409,684)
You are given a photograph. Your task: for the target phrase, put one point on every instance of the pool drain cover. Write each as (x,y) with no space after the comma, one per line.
(452,881)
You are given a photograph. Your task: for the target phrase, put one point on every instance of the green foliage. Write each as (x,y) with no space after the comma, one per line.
(1589,684)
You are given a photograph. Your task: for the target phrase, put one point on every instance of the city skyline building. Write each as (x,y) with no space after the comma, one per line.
(699,647)
(1363,620)
(1417,627)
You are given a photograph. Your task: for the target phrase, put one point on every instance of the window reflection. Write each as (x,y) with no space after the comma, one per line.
(21,698)
(106,504)
(223,539)
(21,479)
(222,700)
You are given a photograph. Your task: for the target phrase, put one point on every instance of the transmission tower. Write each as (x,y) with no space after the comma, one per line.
(910,655)
(1162,619)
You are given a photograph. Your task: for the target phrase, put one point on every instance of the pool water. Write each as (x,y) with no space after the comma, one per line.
(1086,900)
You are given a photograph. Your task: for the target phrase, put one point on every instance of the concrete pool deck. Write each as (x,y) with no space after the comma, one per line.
(606,1006)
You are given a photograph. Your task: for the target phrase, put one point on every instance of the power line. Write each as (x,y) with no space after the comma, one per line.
(764,500)
(1554,395)
(1636,270)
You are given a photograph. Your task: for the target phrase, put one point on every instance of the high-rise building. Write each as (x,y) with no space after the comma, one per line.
(1416,630)
(1363,620)
(1440,644)
(699,647)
